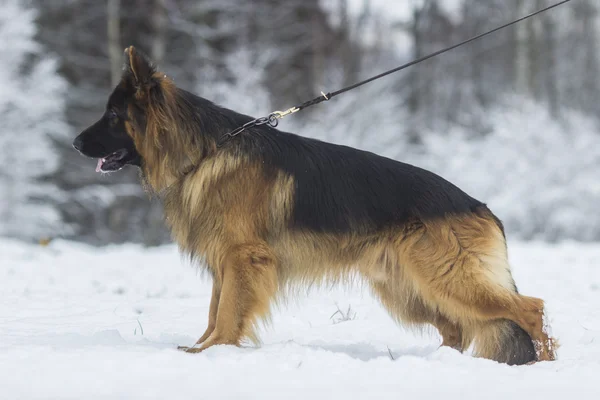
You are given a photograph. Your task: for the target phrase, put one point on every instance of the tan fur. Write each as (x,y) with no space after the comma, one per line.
(229,212)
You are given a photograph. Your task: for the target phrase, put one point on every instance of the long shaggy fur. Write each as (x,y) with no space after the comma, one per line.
(270,210)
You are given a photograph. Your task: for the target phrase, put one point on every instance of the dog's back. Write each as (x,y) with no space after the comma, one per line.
(343,189)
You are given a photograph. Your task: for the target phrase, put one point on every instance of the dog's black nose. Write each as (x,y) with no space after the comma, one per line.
(78,143)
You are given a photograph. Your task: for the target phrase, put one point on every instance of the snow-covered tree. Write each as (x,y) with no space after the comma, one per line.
(31,111)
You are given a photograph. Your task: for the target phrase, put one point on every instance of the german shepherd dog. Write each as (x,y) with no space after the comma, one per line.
(268,211)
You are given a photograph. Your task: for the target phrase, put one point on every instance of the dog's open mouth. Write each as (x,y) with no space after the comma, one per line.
(114,161)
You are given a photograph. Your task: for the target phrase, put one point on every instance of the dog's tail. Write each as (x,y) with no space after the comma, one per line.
(503,341)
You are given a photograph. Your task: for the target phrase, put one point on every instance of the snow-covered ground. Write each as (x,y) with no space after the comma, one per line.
(85,323)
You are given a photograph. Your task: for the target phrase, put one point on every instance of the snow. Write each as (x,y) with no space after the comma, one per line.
(82,322)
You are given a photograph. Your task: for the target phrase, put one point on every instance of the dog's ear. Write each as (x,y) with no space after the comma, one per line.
(139,67)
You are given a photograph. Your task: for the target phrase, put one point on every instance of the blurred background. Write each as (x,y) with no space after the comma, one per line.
(512,119)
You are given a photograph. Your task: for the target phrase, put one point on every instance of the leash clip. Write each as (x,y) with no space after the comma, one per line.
(272,120)
(281,114)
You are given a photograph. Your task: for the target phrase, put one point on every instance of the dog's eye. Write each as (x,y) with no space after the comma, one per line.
(113,118)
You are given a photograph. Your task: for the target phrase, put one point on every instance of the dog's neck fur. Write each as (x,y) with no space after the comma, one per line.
(181,131)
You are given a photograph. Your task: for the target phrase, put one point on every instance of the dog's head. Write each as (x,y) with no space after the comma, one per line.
(150,123)
(111,139)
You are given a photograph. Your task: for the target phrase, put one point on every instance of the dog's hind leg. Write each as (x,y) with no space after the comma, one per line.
(452,333)
(510,326)
(462,268)
(249,282)
(405,306)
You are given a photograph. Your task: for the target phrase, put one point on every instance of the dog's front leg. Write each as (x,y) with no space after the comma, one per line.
(212,312)
(249,282)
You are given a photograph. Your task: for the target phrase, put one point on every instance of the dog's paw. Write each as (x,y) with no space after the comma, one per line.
(194,349)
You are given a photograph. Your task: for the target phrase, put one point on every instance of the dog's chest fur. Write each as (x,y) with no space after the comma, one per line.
(225,202)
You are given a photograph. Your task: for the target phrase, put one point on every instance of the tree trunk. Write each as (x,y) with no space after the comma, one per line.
(521,60)
(551,79)
(159,26)
(533,53)
(590,67)
(115,52)
(350,58)
(318,56)
(418,52)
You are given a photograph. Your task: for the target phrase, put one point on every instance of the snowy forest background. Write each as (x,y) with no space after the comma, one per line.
(512,119)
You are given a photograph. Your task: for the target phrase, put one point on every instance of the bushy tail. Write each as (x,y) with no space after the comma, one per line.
(504,341)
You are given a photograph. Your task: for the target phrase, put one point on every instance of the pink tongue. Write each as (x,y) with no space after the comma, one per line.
(99,166)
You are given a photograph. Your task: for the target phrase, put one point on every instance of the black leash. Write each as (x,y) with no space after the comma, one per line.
(273,118)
